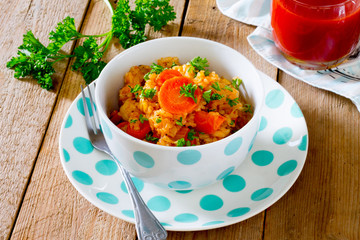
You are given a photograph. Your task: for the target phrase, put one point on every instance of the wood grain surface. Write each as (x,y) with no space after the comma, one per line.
(37,201)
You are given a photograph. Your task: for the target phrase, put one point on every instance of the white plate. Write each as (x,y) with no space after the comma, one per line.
(274,163)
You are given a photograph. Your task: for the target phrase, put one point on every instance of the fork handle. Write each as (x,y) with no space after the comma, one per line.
(147,226)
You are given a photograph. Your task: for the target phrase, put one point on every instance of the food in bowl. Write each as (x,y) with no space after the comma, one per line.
(174,104)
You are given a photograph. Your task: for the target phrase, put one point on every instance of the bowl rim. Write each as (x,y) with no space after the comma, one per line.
(228,138)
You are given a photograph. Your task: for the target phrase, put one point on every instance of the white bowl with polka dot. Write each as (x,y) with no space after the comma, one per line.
(179,168)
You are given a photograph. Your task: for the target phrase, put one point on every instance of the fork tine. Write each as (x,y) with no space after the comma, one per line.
(89,125)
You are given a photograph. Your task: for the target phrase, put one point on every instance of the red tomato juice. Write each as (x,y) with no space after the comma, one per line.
(317,33)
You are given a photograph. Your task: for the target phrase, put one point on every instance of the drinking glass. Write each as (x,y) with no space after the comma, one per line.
(316,34)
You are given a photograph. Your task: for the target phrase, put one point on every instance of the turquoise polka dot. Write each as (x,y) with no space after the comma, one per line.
(263,123)
(144,159)
(106,130)
(282,136)
(128,213)
(158,204)
(225,173)
(262,157)
(295,111)
(165,224)
(237,212)
(83,145)
(68,122)
(107,197)
(213,223)
(139,184)
(189,157)
(82,177)
(274,98)
(179,185)
(261,194)
(66,155)
(303,144)
(211,202)
(80,106)
(183,191)
(234,183)
(287,167)
(106,167)
(186,218)
(233,146)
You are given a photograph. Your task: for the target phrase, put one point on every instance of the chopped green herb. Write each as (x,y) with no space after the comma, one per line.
(189,91)
(181,142)
(232,122)
(191,135)
(216,86)
(228,88)
(142,118)
(236,83)
(135,89)
(173,64)
(155,68)
(133,120)
(158,120)
(209,97)
(150,138)
(148,93)
(232,102)
(179,122)
(207,72)
(199,63)
(248,108)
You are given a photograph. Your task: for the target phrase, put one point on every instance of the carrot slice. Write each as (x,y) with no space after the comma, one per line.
(208,122)
(172,101)
(165,75)
(137,133)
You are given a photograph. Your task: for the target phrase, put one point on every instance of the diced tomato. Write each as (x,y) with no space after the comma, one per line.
(208,122)
(137,133)
(115,117)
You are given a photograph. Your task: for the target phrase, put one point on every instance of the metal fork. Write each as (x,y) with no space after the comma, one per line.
(146,224)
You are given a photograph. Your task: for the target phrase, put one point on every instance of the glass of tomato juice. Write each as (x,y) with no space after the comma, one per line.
(316,34)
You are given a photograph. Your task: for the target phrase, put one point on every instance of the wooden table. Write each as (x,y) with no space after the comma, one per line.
(37,201)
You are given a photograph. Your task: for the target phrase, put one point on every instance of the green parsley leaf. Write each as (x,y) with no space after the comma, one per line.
(133,121)
(135,89)
(189,91)
(64,32)
(179,122)
(181,142)
(148,93)
(228,88)
(155,68)
(236,83)
(149,137)
(158,120)
(216,86)
(199,63)
(232,102)
(248,108)
(208,96)
(142,118)
(191,135)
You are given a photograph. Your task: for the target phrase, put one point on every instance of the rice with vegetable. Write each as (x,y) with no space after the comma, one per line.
(175,104)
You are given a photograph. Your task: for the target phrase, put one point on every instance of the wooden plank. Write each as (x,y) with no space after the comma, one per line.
(324,202)
(52,208)
(25,108)
(204,20)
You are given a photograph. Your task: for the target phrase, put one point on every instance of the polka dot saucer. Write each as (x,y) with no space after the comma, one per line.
(274,163)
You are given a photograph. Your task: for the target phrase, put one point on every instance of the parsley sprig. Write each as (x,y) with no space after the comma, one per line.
(198,64)
(188,90)
(36,60)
